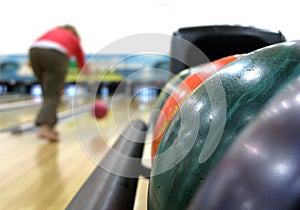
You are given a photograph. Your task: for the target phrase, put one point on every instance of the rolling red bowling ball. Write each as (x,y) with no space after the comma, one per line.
(99,109)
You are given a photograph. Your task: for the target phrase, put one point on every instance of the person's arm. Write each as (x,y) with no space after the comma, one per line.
(80,59)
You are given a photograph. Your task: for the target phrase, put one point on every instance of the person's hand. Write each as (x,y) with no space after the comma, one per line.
(28,63)
(85,70)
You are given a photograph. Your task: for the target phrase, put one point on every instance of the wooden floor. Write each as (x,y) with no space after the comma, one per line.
(37,175)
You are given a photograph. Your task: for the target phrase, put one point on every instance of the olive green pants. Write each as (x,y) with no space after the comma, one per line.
(50,69)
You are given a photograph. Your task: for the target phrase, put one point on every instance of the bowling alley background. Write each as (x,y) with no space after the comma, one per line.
(168,162)
(103,22)
(17,75)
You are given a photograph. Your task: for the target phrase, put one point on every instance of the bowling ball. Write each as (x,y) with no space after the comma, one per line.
(261,169)
(181,92)
(212,116)
(165,93)
(99,109)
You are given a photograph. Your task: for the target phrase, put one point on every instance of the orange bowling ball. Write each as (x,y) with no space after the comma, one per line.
(99,109)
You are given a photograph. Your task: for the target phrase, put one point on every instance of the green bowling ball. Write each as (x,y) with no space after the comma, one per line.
(261,168)
(210,119)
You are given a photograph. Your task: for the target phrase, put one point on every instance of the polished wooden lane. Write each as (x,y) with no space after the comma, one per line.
(36,174)
(14,112)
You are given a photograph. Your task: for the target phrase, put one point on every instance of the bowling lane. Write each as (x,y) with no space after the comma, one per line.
(7,98)
(36,174)
(15,112)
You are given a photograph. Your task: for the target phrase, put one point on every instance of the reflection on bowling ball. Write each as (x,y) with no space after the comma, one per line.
(165,93)
(181,92)
(261,169)
(210,119)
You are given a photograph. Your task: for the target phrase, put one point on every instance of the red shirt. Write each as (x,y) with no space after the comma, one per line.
(68,40)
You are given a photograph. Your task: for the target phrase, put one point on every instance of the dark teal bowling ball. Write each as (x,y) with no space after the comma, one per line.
(209,120)
(261,169)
